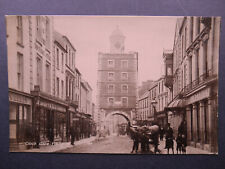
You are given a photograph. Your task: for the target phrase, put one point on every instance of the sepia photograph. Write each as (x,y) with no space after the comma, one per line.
(113,84)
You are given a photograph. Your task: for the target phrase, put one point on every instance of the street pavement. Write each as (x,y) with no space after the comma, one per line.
(112,144)
(59,146)
(189,149)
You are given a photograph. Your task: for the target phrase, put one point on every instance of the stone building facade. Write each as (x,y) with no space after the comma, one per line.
(42,81)
(194,79)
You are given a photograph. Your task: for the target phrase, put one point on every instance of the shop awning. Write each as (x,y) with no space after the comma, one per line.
(175,104)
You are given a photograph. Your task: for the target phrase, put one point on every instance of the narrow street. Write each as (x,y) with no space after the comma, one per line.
(110,144)
(120,144)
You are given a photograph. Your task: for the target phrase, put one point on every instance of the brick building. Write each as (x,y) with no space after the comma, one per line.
(117,78)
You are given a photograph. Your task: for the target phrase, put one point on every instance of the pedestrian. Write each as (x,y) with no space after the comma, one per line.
(51,136)
(72,133)
(37,136)
(184,143)
(134,137)
(169,138)
(182,131)
(179,143)
(156,142)
(161,133)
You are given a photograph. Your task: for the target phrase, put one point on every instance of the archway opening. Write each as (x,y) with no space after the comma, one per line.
(117,123)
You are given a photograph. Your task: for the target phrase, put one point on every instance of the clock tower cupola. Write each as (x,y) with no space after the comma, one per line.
(117,41)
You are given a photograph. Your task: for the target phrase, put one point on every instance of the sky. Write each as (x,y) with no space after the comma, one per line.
(148,36)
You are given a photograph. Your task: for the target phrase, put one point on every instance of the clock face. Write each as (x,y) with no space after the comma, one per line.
(117,45)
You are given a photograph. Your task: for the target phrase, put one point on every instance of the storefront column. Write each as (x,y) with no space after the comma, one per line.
(188,119)
(202,126)
(195,137)
(212,126)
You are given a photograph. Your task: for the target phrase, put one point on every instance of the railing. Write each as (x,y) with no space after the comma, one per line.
(200,80)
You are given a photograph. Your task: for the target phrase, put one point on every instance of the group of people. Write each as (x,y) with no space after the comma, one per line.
(181,138)
(146,138)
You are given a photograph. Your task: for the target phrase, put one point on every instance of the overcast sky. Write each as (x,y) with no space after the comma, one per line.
(146,35)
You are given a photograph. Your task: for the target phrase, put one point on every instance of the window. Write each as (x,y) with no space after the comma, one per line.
(66,55)
(47,33)
(57,58)
(62,61)
(39,72)
(72,85)
(124,75)
(191,30)
(57,86)
(124,101)
(124,88)
(124,63)
(47,78)
(38,28)
(190,68)
(182,47)
(20,71)
(72,58)
(197,63)
(198,25)
(110,63)
(110,100)
(20,30)
(69,57)
(185,74)
(67,86)
(159,87)
(110,76)
(205,68)
(70,88)
(110,88)
(62,91)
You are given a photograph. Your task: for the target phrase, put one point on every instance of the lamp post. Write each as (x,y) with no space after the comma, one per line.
(154,103)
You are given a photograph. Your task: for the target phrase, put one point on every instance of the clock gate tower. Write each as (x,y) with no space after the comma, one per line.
(117,80)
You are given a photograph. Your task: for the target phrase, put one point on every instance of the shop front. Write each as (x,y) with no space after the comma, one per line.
(202,118)
(175,113)
(72,120)
(50,117)
(20,117)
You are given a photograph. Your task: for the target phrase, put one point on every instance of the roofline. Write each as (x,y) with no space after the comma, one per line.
(60,46)
(77,70)
(69,42)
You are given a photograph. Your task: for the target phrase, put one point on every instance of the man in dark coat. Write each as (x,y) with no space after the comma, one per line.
(134,137)
(182,131)
(169,138)
(161,133)
(51,136)
(37,136)
(72,133)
